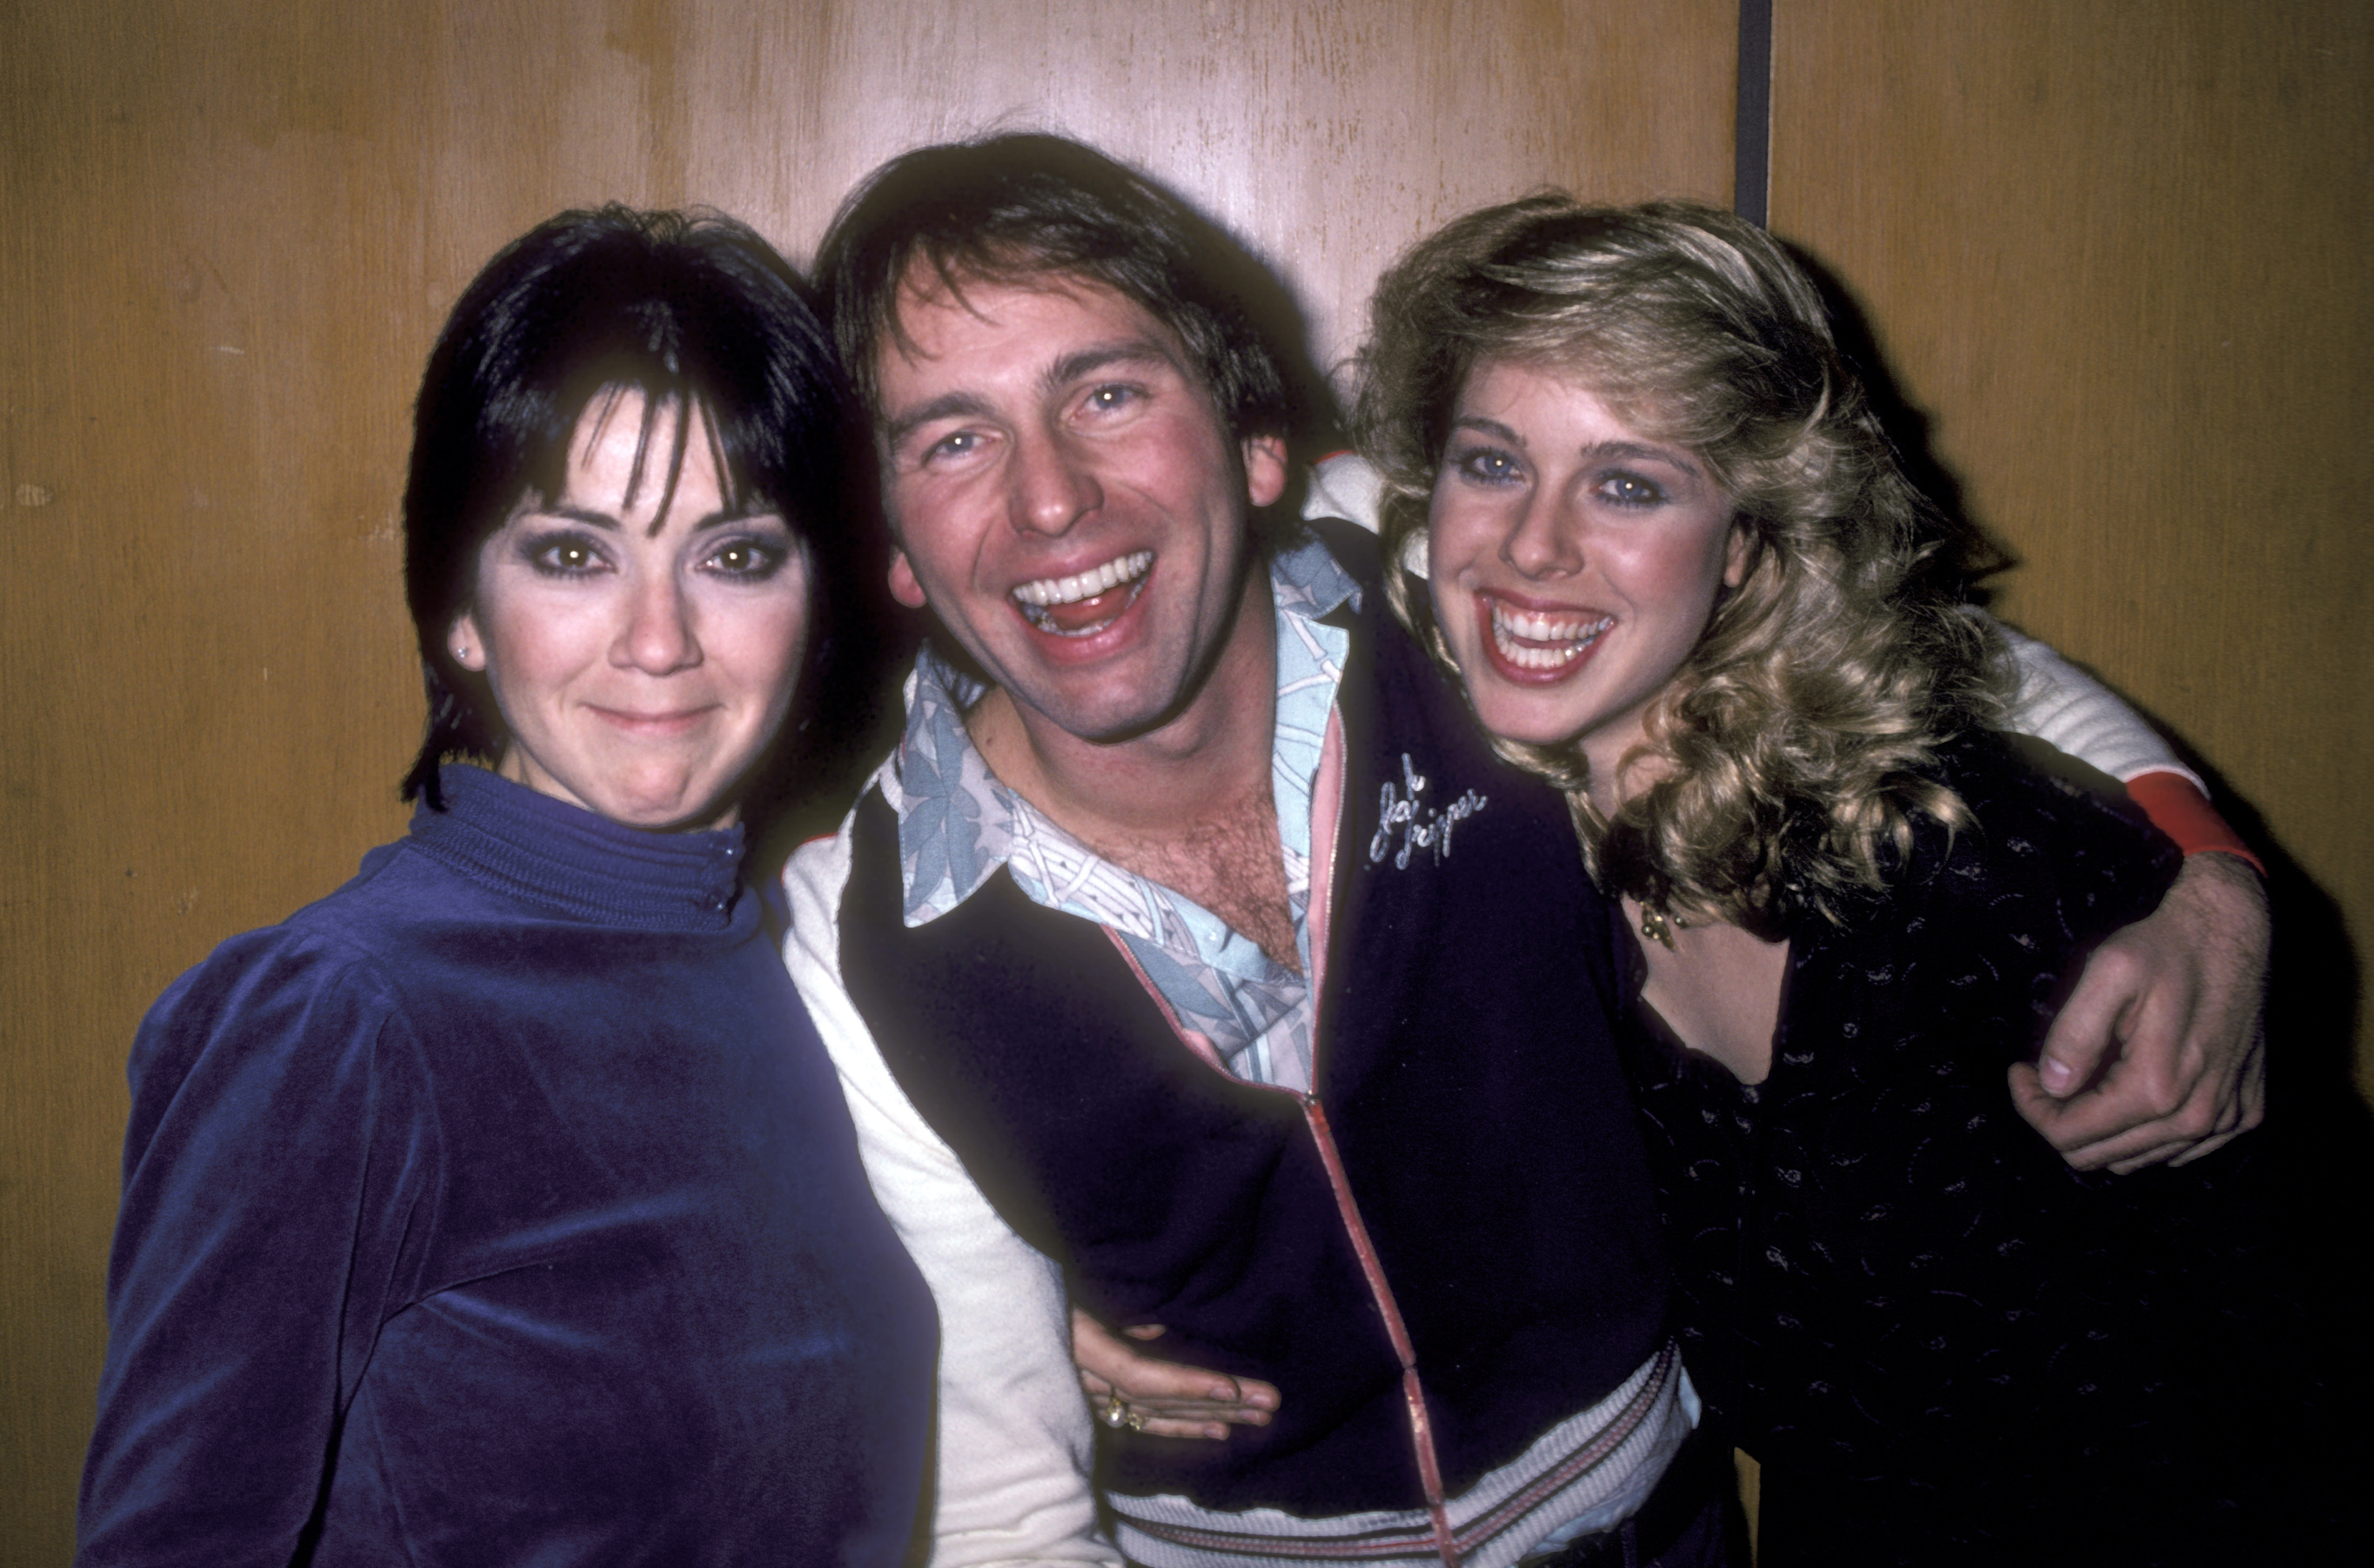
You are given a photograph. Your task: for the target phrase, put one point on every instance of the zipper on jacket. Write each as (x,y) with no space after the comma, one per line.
(1314,1116)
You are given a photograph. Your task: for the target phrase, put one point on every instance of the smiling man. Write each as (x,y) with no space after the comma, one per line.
(1167,775)
(1194,958)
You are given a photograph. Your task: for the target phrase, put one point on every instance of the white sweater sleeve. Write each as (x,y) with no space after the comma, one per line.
(2072,712)
(1345,486)
(1015,1439)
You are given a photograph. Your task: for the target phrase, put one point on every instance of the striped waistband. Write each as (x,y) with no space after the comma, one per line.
(1603,1460)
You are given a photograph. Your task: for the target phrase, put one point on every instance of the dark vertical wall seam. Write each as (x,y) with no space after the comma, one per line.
(1752,130)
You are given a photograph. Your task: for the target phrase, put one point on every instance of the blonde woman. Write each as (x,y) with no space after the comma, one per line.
(1674,561)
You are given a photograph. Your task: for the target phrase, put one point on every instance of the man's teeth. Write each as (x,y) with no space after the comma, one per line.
(1050,591)
(1520,635)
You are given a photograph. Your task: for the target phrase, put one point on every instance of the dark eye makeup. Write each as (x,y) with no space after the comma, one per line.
(737,556)
(1486,464)
(1624,487)
(563,552)
(748,558)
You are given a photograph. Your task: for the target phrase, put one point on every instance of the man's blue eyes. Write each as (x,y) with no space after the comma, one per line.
(1108,399)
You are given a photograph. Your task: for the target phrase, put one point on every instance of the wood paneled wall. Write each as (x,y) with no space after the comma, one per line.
(2118,253)
(232,230)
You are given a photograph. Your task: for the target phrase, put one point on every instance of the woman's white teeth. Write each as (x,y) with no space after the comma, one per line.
(1520,635)
(1050,591)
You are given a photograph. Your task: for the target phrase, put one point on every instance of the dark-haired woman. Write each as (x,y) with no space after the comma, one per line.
(1675,563)
(502,1207)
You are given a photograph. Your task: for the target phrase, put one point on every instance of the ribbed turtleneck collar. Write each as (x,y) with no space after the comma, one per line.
(574,863)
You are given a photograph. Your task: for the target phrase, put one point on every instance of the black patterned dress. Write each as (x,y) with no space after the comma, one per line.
(1944,1345)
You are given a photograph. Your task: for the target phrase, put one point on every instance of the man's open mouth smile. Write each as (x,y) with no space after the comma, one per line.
(1087,601)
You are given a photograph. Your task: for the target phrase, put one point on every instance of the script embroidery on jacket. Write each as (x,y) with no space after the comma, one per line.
(1401,814)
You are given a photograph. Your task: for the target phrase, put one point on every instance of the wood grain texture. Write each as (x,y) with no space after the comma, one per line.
(2117,252)
(232,231)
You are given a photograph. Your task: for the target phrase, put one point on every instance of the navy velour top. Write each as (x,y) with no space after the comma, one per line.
(502,1207)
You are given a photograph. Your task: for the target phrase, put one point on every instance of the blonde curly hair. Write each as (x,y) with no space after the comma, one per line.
(1795,747)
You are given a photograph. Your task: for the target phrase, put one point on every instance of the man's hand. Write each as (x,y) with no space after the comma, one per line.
(2158,1054)
(1127,1388)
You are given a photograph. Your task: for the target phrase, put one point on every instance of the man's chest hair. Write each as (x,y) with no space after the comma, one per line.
(1230,861)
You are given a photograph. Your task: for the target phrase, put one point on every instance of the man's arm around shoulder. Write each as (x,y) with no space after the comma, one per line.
(2157,1054)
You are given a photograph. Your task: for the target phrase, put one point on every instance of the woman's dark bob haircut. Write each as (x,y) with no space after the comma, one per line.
(687,310)
(1027,209)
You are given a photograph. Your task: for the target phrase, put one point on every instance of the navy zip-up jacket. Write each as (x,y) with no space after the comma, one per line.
(1466,1070)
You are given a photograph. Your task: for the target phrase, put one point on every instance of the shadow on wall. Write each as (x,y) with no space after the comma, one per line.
(1975,555)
